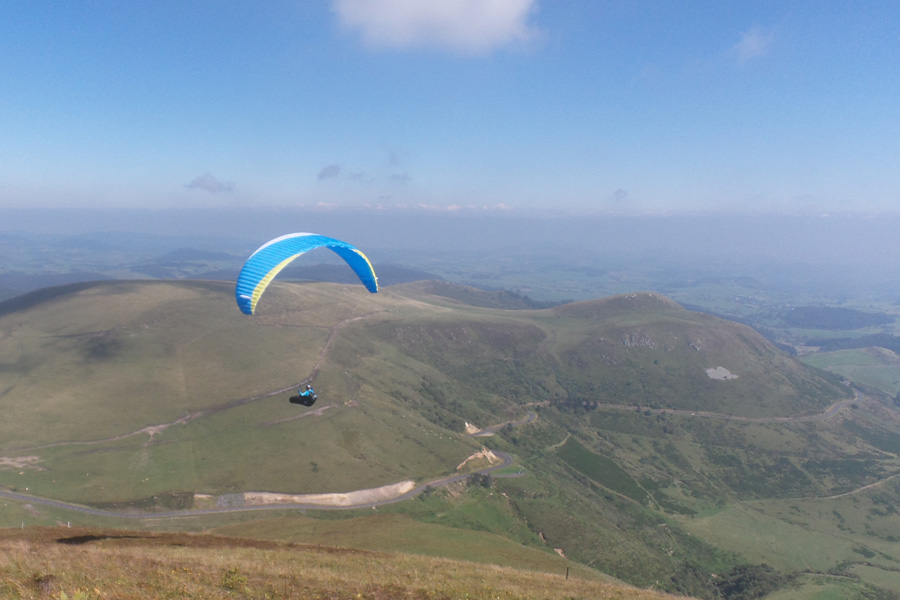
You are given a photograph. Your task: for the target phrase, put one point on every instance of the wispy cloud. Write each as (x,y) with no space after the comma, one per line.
(754,43)
(330,172)
(208,183)
(338,172)
(621,202)
(463,26)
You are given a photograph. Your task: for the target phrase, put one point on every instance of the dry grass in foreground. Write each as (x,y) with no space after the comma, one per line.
(84,564)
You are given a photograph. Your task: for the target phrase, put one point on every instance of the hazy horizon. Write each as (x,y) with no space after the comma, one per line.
(856,238)
(837,257)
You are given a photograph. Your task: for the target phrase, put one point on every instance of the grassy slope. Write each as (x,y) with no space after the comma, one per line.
(660,353)
(401,533)
(691,466)
(96,564)
(641,494)
(122,357)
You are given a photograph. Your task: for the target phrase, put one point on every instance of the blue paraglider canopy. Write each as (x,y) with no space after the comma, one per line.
(273,256)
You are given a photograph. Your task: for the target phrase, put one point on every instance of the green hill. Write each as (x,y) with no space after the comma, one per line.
(665,447)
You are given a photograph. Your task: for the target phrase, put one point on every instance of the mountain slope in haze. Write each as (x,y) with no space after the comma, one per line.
(643,349)
(656,428)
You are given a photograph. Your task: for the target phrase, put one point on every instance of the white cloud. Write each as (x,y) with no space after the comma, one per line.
(465,26)
(754,43)
(208,183)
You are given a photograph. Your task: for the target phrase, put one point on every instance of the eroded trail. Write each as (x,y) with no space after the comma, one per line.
(327,345)
(869,486)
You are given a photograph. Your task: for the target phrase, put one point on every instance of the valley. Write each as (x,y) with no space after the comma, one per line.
(625,449)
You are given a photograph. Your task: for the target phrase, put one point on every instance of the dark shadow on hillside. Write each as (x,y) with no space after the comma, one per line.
(79,540)
(487,298)
(37,297)
(40,296)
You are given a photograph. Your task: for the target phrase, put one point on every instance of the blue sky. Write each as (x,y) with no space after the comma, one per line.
(582,105)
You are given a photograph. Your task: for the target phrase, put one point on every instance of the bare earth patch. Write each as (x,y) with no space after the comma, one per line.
(483,453)
(387,492)
(20,462)
(720,373)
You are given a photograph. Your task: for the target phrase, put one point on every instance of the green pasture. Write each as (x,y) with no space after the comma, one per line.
(883,578)
(601,469)
(472,507)
(856,357)
(759,537)
(875,367)
(808,534)
(829,587)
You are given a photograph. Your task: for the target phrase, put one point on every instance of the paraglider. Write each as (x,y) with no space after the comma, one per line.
(273,256)
(307,397)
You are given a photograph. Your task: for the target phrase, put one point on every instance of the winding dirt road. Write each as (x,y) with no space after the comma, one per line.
(505,461)
(828,413)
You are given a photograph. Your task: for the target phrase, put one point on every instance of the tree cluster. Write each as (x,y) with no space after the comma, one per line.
(480,479)
(748,582)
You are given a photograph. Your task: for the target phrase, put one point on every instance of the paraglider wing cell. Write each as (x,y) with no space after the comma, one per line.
(273,256)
